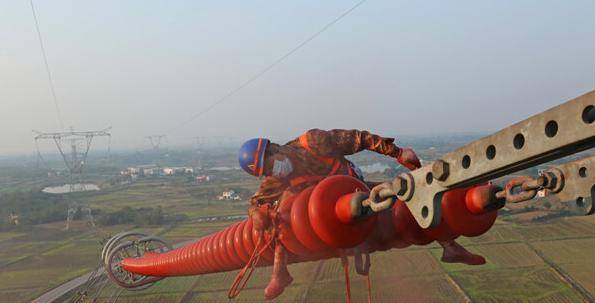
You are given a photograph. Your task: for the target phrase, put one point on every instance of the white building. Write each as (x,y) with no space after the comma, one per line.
(150,172)
(203,178)
(169,171)
(229,195)
(13,219)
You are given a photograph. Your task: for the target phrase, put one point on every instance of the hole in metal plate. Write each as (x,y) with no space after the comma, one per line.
(491,152)
(518,141)
(551,129)
(466,162)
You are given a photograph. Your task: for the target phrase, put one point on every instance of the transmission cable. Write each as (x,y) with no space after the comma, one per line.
(47,66)
(269,67)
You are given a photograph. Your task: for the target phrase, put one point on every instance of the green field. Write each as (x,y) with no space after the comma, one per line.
(526,262)
(518,270)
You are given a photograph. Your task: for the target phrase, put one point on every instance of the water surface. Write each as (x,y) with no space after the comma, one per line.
(70,188)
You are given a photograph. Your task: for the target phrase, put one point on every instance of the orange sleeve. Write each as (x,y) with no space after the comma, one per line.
(347,142)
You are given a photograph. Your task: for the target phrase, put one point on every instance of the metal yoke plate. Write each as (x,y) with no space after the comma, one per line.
(579,186)
(560,131)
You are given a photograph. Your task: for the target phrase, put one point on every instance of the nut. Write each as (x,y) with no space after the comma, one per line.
(440,170)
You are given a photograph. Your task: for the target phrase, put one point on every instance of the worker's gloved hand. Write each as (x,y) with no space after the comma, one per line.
(408,158)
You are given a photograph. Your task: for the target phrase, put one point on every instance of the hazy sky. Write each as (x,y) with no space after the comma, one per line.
(393,67)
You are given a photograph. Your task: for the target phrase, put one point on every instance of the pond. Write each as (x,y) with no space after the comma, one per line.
(224,168)
(70,188)
(374,168)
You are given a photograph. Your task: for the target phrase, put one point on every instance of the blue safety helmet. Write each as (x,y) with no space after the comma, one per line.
(252,155)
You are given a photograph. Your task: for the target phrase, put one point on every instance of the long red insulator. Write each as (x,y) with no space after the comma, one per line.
(310,228)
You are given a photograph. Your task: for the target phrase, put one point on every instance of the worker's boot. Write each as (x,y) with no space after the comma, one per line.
(280,277)
(455,253)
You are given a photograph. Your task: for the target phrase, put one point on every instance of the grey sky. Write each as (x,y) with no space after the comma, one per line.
(394,67)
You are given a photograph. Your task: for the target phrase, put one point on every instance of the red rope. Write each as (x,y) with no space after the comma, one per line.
(241,277)
(363,268)
(366,271)
(345,264)
(369,284)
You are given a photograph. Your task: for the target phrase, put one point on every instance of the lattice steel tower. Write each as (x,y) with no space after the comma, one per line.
(155,140)
(79,144)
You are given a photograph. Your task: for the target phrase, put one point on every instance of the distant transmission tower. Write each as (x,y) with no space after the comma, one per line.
(82,212)
(155,140)
(79,144)
(198,160)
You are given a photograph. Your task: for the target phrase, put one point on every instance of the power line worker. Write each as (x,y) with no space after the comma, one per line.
(306,160)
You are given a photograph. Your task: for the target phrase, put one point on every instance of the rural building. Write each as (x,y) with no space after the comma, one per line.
(170,171)
(13,219)
(54,173)
(229,195)
(203,178)
(130,171)
(150,172)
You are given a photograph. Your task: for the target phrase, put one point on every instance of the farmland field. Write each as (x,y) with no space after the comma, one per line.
(533,283)
(526,262)
(516,272)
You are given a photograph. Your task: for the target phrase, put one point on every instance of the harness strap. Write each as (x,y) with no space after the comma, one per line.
(336,167)
(303,179)
(314,178)
(350,171)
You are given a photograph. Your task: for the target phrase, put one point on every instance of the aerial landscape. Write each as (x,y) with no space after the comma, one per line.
(370,151)
(541,257)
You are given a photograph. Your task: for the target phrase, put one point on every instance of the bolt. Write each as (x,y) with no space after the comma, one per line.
(440,170)
(399,186)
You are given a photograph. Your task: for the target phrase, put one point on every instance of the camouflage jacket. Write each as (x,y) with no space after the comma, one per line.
(336,143)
